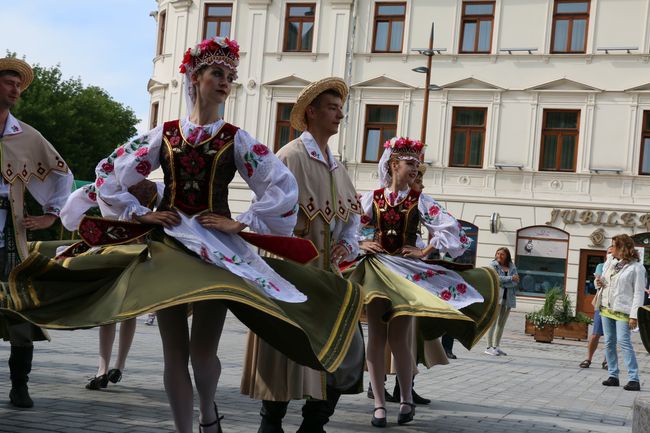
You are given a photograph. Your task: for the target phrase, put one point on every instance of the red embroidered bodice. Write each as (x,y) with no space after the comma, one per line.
(197,175)
(396,225)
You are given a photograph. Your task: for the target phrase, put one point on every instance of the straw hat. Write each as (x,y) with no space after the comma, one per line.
(20,66)
(310,93)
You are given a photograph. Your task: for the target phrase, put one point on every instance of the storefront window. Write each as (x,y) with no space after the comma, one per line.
(541,259)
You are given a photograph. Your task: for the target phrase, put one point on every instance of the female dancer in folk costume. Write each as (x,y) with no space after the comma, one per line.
(399,286)
(195,254)
(148,194)
(428,352)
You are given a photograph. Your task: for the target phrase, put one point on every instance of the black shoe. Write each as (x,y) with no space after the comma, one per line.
(418,399)
(450,355)
(114,375)
(407,417)
(19,397)
(216,421)
(370,394)
(97,382)
(378,422)
(632,386)
(611,381)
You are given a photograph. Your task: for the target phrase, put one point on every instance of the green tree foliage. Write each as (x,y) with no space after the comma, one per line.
(84,124)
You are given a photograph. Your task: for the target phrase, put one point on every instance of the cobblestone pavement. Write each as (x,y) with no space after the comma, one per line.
(536,388)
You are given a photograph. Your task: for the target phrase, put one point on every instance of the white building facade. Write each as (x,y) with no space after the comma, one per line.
(538,138)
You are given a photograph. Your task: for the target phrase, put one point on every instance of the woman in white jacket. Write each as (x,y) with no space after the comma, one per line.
(622,288)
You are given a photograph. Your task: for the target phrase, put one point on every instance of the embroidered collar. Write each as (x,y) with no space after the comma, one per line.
(393,199)
(190,130)
(314,151)
(12,127)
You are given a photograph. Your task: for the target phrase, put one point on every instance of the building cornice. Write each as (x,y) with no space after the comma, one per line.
(181,4)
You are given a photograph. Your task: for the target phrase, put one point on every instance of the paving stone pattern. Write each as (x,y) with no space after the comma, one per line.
(537,388)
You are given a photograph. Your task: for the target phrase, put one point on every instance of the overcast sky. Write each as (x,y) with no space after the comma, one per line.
(108,43)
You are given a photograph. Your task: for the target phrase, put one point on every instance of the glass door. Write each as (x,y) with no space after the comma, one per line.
(589,259)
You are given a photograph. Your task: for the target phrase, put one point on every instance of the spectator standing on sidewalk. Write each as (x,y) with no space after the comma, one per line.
(622,289)
(508,280)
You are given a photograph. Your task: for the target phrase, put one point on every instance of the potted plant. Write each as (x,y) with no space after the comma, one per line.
(544,326)
(543,322)
(570,326)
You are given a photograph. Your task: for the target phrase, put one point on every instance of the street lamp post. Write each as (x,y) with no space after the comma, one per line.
(425,111)
(429,52)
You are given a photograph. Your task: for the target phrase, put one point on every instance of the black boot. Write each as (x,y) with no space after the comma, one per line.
(20,365)
(317,413)
(371,394)
(272,413)
(417,399)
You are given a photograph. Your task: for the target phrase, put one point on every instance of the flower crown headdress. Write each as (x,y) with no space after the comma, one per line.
(400,148)
(217,50)
(404,148)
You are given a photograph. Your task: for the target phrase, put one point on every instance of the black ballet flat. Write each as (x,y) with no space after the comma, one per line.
(97,382)
(407,417)
(216,421)
(114,375)
(378,422)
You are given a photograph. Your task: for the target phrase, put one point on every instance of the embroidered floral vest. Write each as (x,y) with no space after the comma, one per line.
(197,175)
(396,226)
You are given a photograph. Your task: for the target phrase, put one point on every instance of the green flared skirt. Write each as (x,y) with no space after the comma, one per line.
(116,283)
(435,317)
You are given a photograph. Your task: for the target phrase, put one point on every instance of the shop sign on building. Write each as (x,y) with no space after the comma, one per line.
(600,218)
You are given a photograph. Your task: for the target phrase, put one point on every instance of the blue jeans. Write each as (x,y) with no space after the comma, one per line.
(619,331)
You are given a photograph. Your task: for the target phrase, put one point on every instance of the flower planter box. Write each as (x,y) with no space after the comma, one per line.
(574,330)
(545,334)
(529,329)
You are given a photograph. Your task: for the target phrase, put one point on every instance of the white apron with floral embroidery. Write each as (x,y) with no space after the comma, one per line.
(273,210)
(231,252)
(445,234)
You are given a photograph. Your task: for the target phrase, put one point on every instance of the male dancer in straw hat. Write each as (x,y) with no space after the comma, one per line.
(28,161)
(329,217)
